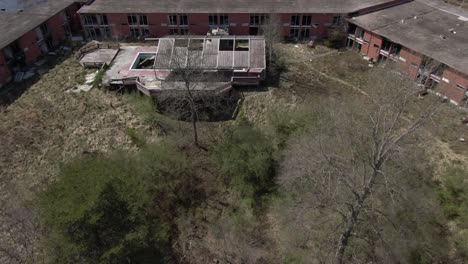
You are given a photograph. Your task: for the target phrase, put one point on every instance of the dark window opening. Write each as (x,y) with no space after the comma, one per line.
(143,20)
(172,20)
(103,20)
(306,20)
(183,20)
(132,20)
(295,20)
(226,45)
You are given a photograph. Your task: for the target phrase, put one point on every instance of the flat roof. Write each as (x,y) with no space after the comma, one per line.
(427,29)
(211,52)
(230,6)
(13,25)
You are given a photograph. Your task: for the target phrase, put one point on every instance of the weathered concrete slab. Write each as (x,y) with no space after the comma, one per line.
(99,57)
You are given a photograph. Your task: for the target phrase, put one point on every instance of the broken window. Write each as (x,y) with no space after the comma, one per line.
(132,20)
(242,45)
(226,45)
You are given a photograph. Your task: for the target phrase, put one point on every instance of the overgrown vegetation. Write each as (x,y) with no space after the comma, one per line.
(278,185)
(116,208)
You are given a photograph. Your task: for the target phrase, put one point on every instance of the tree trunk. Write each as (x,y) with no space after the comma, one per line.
(194,125)
(353,217)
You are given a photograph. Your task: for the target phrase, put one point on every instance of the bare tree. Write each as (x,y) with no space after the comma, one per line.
(356,159)
(191,88)
(271,30)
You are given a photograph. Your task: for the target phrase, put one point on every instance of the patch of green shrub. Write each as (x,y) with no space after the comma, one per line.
(115,208)
(245,159)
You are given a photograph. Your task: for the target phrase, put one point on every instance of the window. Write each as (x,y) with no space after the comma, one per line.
(90,20)
(223,20)
(183,31)
(172,20)
(295,20)
(258,19)
(337,21)
(218,20)
(183,20)
(173,31)
(106,32)
(103,20)
(305,33)
(226,45)
(213,20)
(242,45)
(135,32)
(459,86)
(376,46)
(294,33)
(143,20)
(44,29)
(306,20)
(132,20)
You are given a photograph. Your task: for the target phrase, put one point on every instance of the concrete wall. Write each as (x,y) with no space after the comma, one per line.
(5,73)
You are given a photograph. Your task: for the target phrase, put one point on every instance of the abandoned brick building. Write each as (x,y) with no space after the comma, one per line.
(422,35)
(410,32)
(27,34)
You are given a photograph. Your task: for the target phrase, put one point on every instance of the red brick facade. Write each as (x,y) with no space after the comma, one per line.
(453,85)
(5,73)
(198,24)
(450,83)
(410,62)
(28,43)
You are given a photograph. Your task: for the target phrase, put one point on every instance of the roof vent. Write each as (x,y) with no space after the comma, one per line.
(415,17)
(402,21)
(452,30)
(443,37)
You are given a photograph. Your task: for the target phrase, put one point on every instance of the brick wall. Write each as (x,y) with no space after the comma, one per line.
(241,22)
(54,24)
(371,46)
(5,73)
(198,24)
(28,44)
(453,85)
(410,62)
